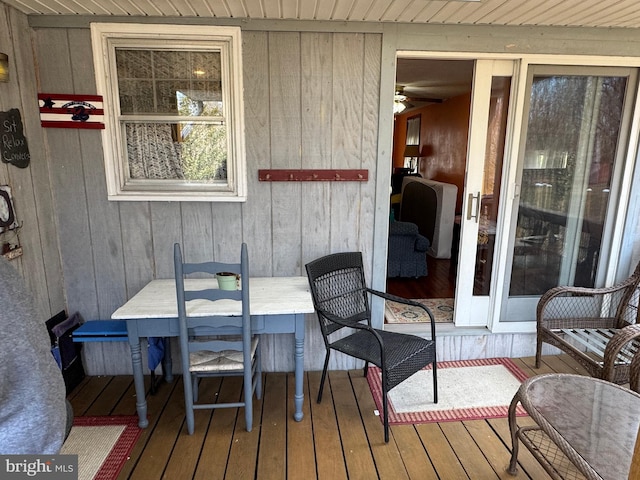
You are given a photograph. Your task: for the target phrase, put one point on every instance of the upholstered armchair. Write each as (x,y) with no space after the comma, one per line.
(407,255)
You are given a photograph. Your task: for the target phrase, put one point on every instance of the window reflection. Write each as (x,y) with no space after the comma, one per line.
(572,135)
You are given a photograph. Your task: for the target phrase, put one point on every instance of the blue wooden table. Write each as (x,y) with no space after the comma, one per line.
(278,305)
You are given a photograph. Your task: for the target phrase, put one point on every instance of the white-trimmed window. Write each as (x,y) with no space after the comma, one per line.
(174,125)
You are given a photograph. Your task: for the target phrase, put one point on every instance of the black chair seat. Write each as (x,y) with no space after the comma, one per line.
(405,354)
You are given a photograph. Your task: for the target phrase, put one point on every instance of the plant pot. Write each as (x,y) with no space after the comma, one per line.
(227,280)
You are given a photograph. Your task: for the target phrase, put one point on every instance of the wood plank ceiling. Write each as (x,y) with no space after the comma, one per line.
(578,13)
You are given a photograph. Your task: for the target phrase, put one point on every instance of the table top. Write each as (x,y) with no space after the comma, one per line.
(267,296)
(598,419)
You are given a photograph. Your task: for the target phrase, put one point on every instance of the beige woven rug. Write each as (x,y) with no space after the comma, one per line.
(102,444)
(467,390)
(442,309)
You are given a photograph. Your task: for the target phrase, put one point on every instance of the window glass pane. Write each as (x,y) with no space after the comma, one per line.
(193,152)
(149,80)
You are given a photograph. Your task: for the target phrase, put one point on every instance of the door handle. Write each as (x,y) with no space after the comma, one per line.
(471,211)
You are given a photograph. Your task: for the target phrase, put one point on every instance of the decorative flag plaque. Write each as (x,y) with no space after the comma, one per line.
(59,110)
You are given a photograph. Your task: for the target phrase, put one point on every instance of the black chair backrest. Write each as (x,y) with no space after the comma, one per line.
(338,287)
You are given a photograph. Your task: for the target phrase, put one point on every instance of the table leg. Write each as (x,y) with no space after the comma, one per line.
(299,367)
(513,428)
(138,376)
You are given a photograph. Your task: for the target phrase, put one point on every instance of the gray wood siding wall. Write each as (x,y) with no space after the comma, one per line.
(40,264)
(311,101)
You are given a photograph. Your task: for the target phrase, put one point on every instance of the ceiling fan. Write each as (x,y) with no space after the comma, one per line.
(401,101)
(406,96)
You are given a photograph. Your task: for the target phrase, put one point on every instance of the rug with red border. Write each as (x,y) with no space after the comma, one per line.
(103,445)
(467,390)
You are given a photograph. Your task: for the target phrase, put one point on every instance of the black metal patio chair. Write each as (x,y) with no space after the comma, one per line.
(342,301)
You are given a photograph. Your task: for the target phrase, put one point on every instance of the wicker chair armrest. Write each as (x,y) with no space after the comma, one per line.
(621,338)
(406,301)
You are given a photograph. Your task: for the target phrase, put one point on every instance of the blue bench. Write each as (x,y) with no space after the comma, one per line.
(101,331)
(116,331)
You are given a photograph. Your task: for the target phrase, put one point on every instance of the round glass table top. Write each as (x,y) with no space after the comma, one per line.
(600,420)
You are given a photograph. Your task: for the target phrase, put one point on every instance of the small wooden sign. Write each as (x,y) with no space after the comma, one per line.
(13,144)
(62,110)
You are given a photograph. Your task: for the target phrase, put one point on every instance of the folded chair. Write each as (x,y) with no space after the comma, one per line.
(342,301)
(598,327)
(216,345)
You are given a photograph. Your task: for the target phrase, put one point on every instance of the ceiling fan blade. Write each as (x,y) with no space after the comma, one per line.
(424,99)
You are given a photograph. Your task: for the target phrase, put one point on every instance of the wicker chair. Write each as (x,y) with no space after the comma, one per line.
(341,300)
(598,327)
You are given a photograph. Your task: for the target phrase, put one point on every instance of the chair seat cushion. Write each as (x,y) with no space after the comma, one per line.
(223,361)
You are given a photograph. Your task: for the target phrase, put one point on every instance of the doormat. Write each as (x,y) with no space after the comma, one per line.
(467,390)
(103,445)
(442,309)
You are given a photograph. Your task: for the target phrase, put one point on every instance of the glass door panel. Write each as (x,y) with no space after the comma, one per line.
(491,183)
(483,184)
(574,125)
(572,137)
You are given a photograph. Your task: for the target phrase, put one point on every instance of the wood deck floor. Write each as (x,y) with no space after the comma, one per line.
(337,439)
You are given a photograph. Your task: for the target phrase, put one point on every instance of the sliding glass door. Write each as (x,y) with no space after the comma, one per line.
(573,140)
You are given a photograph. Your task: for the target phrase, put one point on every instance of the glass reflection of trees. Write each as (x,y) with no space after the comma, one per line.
(204,145)
(572,136)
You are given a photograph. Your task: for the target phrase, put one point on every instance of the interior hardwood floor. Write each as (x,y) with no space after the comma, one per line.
(339,438)
(439,282)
